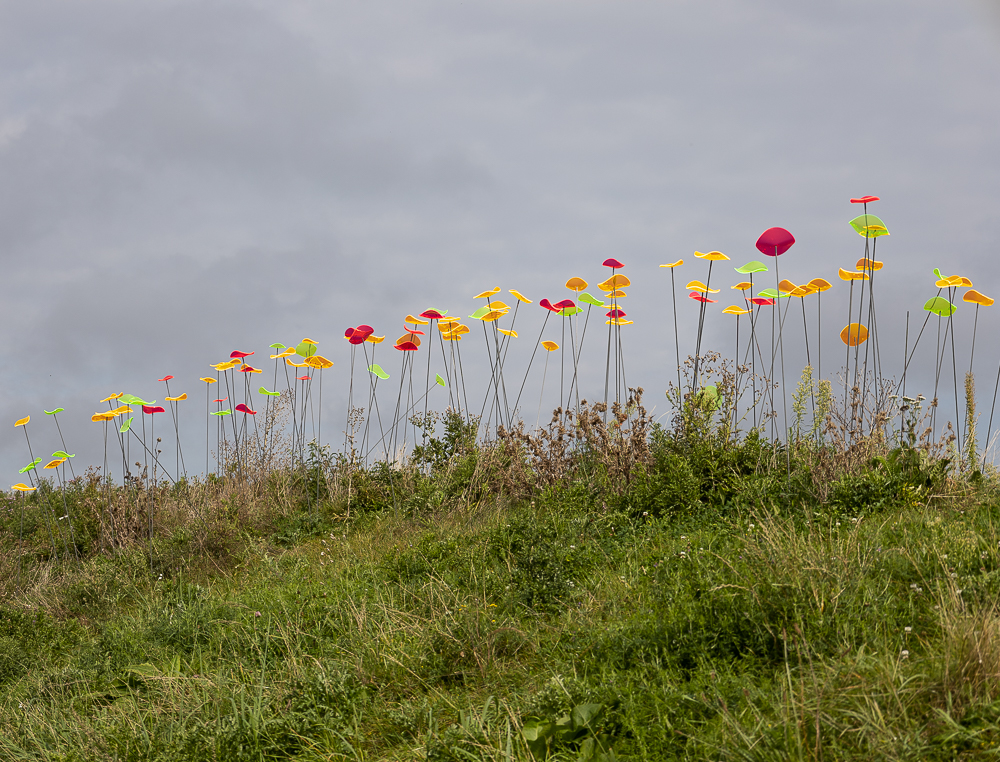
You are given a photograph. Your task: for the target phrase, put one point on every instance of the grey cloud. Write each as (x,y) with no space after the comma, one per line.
(179,179)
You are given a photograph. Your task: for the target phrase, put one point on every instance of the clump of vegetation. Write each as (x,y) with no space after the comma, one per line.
(607,587)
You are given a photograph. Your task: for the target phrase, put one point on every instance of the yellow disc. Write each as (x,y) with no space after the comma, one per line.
(848,275)
(712,256)
(697,285)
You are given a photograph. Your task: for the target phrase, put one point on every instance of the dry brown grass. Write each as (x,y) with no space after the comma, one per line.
(579,445)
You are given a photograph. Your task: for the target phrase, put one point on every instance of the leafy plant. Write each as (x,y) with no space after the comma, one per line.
(579,730)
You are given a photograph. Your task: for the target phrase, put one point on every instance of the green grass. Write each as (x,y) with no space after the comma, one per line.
(711,606)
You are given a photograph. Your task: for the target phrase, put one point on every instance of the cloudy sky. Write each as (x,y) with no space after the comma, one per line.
(182,179)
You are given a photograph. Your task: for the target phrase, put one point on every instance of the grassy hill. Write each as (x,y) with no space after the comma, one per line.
(592,591)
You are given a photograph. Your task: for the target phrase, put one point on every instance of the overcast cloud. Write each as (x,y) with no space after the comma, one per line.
(181,179)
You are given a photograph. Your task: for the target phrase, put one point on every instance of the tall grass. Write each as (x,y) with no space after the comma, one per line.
(626,590)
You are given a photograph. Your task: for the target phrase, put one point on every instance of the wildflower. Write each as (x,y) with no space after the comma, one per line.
(904,654)
(907,630)
(256,614)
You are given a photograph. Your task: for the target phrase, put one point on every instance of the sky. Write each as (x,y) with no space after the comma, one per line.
(181,179)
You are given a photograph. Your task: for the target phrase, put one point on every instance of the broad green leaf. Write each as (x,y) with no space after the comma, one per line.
(584,715)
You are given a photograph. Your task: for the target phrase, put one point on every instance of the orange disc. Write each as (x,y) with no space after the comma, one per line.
(854,334)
